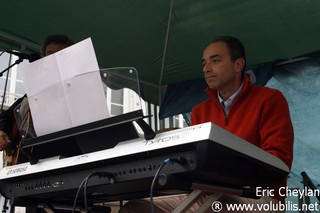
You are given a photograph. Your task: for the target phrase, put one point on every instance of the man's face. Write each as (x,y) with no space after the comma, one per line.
(220,71)
(53,48)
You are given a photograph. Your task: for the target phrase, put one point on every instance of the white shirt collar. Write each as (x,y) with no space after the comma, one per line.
(227,103)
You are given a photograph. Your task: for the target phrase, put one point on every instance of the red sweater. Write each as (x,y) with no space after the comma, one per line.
(259,115)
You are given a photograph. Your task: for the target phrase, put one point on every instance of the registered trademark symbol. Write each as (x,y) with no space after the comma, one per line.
(216,206)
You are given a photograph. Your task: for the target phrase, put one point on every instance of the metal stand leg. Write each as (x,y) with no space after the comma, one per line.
(192,198)
(188,202)
(216,190)
(209,202)
(6,207)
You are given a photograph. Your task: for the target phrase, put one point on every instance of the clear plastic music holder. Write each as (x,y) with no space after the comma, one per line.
(122,97)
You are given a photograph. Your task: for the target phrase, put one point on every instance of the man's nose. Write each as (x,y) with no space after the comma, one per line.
(206,68)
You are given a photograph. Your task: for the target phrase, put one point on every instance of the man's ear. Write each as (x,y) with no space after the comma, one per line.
(239,64)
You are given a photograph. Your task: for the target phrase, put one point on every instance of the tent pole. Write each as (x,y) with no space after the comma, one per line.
(164,58)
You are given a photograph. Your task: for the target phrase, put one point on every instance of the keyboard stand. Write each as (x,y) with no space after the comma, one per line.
(193,197)
(216,190)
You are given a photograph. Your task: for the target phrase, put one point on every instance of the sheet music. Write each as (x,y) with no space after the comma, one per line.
(65,89)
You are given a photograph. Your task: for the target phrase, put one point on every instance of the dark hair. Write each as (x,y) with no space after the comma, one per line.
(57,39)
(236,48)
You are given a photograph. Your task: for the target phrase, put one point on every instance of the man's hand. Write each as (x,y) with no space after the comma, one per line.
(4,140)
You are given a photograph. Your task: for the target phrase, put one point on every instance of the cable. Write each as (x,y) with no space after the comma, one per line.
(180,160)
(85,194)
(153,182)
(100,174)
(84,183)
(77,194)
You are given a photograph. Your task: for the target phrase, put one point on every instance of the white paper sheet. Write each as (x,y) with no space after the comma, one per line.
(65,89)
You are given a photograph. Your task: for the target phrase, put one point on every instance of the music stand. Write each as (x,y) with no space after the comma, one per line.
(98,135)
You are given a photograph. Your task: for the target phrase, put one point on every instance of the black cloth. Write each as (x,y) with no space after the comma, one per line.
(7,117)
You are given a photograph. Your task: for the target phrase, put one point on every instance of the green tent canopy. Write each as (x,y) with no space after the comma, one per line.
(164,39)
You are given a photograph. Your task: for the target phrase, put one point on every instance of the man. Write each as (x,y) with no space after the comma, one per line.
(52,44)
(257,114)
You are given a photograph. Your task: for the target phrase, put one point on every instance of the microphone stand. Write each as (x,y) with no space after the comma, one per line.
(18,61)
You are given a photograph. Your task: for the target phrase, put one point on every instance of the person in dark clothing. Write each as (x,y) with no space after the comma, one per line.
(52,44)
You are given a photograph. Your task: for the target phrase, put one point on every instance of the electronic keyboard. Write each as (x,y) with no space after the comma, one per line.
(204,153)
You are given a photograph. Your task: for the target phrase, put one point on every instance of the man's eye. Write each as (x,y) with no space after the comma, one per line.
(215,60)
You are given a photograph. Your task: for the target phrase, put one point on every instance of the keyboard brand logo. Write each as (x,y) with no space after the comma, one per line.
(166,139)
(17,170)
